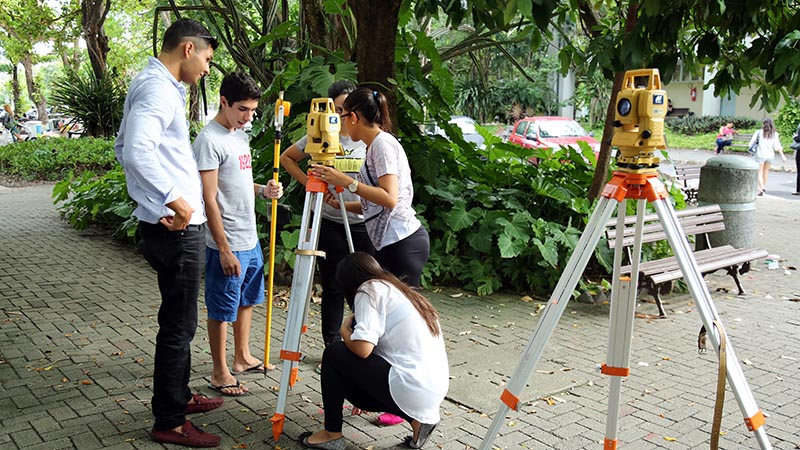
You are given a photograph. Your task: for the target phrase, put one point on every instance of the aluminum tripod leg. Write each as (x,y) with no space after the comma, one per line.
(298,303)
(620,322)
(551,314)
(345,222)
(753,417)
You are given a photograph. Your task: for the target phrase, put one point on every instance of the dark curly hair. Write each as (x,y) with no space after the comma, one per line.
(238,86)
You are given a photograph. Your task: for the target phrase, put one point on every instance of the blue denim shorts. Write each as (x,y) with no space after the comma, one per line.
(225,294)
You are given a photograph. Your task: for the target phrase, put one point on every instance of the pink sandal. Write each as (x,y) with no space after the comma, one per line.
(387,419)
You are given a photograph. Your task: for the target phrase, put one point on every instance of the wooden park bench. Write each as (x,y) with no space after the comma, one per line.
(741,141)
(688,179)
(679,112)
(696,222)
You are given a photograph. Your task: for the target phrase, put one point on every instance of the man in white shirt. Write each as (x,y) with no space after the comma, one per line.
(154,150)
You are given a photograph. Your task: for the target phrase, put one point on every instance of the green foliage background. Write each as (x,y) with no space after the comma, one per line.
(51,158)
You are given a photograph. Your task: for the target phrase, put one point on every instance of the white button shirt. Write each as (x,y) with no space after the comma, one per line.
(153,146)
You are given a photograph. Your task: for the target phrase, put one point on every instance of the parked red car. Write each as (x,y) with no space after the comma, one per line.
(551,132)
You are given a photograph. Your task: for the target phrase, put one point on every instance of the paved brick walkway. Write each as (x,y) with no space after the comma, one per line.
(78,325)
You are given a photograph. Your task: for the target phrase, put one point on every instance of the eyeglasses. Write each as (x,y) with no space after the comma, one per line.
(338,109)
(342,116)
(210,39)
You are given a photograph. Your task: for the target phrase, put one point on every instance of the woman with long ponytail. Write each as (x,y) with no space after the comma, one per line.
(391,358)
(384,187)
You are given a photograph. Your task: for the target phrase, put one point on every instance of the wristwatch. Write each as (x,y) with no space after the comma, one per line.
(353,187)
(262,191)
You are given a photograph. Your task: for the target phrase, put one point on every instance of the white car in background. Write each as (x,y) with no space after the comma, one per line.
(467,126)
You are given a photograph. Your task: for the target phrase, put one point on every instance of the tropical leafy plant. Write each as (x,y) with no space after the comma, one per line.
(97,103)
(98,201)
(788,119)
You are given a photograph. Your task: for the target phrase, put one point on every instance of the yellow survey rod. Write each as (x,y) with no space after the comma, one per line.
(281,111)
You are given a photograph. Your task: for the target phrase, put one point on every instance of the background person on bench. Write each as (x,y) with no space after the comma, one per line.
(725,136)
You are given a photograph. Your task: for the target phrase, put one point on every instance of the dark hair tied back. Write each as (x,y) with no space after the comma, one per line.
(370,105)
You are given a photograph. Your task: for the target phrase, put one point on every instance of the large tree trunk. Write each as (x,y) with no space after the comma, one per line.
(315,24)
(604,158)
(94,14)
(33,92)
(332,37)
(375,46)
(15,85)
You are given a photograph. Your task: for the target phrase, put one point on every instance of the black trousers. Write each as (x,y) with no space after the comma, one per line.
(406,258)
(177,257)
(364,382)
(333,241)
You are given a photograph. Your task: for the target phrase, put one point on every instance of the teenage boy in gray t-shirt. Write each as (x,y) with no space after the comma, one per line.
(234,261)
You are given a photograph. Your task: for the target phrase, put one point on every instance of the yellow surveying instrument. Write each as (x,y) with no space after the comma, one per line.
(639,130)
(323,126)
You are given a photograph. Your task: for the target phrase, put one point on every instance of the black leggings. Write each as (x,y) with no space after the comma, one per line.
(333,242)
(362,381)
(405,259)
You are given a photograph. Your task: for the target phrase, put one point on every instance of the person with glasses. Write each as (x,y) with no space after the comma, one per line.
(234,259)
(332,238)
(153,148)
(384,187)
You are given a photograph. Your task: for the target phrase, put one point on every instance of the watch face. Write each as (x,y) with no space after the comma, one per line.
(353,186)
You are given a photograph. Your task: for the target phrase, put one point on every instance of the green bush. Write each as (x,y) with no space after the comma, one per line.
(693,125)
(90,200)
(50,158)
(788,119)
(97,103)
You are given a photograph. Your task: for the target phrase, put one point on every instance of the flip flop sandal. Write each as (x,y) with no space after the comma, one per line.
(221,389)
(258,368)
(336,444)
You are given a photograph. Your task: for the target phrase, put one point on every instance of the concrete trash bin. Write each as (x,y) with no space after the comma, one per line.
(731,181)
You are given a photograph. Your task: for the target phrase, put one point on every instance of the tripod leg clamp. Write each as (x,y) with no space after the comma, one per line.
(319,253)
(511,400)
(615,371)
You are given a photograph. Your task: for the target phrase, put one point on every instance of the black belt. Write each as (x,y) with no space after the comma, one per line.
(160,228)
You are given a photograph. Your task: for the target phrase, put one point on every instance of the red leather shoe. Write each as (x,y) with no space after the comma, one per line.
(189,436)
(202,404)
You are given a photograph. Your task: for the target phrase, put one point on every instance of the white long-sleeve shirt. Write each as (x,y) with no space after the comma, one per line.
(153,146)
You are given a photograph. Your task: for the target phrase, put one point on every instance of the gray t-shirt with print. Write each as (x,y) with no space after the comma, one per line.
(217,147)
(350,163)
(385,156)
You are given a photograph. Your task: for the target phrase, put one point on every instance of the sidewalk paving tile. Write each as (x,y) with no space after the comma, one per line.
(78,323)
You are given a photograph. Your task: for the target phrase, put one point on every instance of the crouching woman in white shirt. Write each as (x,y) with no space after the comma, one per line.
(392,356)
